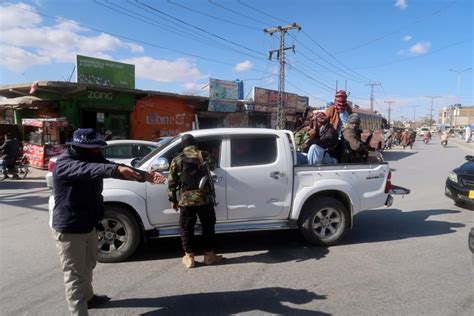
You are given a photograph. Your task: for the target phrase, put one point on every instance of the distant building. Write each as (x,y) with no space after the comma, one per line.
(456,115)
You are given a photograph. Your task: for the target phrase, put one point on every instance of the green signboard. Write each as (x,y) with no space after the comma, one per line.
(105,72)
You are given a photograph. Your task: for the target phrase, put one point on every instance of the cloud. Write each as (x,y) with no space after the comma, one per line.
(243,66)
(420,48)
(180,70)
(18,60)
(28,42)
(401,4)
(15,15)
(407,38)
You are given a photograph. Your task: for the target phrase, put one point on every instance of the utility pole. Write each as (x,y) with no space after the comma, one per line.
(281,59)
(459,81)
(372,85)
(431,109)
(389,109)
(414,113)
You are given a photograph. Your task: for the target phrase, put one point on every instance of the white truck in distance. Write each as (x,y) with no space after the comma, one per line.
(261,189)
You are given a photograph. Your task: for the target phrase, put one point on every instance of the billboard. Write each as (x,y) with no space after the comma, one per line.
(105,72)
(223,95)
(303,102)
(267,97)
(221,105)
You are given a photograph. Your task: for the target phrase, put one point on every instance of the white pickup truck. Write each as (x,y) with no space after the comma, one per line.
(262,189)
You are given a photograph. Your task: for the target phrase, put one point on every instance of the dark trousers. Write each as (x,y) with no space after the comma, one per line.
(187,221)
(9,164)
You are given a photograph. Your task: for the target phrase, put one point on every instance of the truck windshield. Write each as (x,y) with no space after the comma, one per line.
(161,145)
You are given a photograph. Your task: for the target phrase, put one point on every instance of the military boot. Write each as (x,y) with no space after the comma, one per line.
(210,257)
(188,260)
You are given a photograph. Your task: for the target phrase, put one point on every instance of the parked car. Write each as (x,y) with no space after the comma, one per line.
(162,140)
(119,151)
(259,190)
(460,183)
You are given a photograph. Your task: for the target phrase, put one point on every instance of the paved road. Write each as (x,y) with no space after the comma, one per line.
(410,259)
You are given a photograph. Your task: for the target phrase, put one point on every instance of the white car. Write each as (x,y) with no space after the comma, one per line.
(119,151)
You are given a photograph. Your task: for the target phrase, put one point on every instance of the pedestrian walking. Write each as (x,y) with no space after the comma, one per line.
(190,176)
(467,134)
(78,181)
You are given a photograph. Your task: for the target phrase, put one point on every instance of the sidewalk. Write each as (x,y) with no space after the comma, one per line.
(460,142)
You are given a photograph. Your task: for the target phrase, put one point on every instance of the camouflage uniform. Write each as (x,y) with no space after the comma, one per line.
(302,139)
(193,203)
(193,197)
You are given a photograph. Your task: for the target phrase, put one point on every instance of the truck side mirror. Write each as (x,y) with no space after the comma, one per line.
(134,161)
(160,164)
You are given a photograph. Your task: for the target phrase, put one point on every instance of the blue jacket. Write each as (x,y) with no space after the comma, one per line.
(78,183)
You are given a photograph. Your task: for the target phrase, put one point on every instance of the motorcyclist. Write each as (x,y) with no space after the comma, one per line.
(11,152)
(427,137)
(444,138)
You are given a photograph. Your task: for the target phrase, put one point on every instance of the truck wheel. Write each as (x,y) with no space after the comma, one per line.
(324,221)
(119,235)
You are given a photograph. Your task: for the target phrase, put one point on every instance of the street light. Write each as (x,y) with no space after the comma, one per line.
(459,80)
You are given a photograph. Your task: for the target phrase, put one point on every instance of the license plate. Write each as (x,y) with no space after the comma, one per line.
(471,194)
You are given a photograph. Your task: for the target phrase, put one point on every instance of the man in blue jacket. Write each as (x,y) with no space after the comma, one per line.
(78,181)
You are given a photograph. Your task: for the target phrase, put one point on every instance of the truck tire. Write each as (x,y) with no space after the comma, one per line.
(323,221)
(119,234)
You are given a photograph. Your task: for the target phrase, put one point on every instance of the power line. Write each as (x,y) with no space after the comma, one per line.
(262,12)
(213,16)
(198,37)
(320,46)
(134,39)
(333,57)
(238,13)
(350,76)
(198,28)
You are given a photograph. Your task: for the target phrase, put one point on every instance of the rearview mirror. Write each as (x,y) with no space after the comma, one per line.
(160,164)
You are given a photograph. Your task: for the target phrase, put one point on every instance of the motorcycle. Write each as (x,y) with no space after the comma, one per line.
(22,168)
(444,143)
(426,138)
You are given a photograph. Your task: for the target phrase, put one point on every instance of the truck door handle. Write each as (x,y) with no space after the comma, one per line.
(216,179)
(277,174)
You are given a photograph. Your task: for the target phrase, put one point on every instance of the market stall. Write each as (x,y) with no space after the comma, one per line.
(44,138)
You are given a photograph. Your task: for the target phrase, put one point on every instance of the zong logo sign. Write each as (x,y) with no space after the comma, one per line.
(100,95)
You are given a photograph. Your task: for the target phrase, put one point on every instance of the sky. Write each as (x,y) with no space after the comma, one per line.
(413,49)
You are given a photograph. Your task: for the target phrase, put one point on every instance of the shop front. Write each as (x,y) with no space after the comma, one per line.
(164,115)
(43,139)
(103,110)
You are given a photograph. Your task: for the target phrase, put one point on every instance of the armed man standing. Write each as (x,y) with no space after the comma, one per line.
(189,174)
(78,181)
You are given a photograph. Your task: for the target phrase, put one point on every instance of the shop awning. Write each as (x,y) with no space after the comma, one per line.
(28,102)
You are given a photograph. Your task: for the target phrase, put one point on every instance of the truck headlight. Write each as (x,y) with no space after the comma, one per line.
(453,177)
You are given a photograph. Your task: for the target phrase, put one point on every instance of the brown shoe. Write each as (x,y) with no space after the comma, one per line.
(188,260)
(210,258)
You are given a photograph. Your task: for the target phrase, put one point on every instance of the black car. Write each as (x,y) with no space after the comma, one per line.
(460,183)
